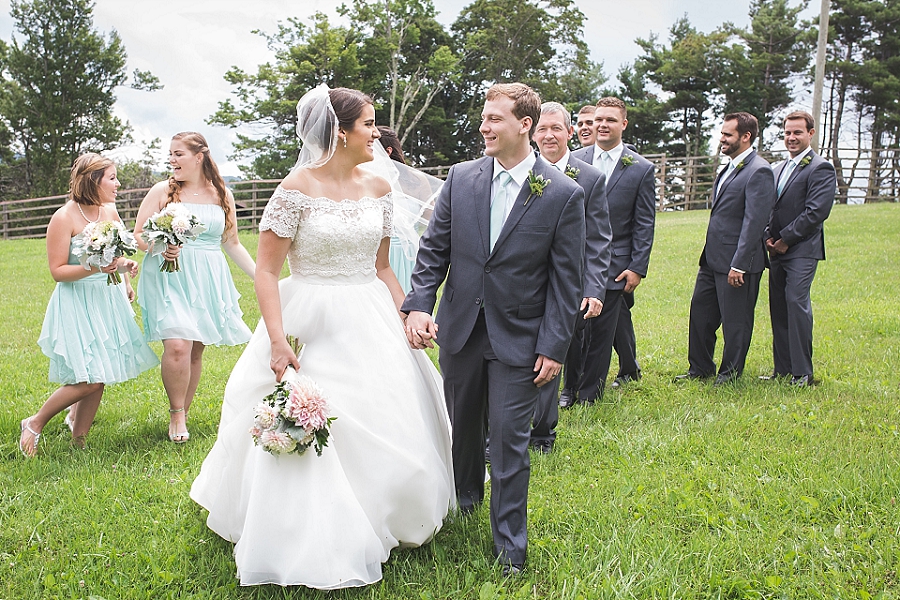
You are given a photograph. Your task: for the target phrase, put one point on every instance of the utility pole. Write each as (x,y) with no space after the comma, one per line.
(820,71)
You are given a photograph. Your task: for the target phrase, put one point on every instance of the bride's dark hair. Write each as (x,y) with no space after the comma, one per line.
(348,105)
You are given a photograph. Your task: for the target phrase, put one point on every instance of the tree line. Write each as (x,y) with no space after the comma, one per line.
(58,78)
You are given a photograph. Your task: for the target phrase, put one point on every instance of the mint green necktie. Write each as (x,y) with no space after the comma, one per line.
(606,163)
(498,206)
(788,169)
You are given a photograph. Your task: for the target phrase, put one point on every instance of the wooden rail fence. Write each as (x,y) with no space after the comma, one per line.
(683,183)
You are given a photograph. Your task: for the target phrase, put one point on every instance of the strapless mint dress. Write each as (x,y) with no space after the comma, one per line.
(199,302)
(90,334)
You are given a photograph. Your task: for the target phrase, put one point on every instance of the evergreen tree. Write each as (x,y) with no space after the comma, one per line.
(57,90)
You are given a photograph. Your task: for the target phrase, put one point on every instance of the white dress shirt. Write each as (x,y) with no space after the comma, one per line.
(519,174)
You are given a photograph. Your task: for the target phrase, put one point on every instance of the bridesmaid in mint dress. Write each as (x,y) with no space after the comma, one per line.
(89,332)
(198,305)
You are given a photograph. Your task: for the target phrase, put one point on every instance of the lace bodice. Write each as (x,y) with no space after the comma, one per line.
(329,237)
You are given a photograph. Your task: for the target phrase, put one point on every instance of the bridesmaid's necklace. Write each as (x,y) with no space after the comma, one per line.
(99,212)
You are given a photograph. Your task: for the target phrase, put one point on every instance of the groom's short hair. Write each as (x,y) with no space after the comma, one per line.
(614,102)
(526,102)
(548,108)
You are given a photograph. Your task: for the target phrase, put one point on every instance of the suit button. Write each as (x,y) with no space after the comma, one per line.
(477,300)
(487,269)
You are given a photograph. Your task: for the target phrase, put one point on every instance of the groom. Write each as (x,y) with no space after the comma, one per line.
(509,228)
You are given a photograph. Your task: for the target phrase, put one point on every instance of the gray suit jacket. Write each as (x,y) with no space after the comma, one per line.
(529,286)
(802,208)
(737,221)
(597,231)
(631,195)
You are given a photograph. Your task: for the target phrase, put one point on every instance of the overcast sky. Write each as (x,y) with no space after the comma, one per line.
(190,45)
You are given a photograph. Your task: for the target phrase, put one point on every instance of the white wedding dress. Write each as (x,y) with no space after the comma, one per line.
(385,479)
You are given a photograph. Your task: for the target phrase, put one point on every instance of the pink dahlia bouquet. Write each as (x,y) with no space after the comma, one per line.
(174,225)
(293,417)
(101,243)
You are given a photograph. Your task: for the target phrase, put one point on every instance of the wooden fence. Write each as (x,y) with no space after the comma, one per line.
(683,183)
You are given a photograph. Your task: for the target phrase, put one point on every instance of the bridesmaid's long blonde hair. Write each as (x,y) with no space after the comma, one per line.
(196,143)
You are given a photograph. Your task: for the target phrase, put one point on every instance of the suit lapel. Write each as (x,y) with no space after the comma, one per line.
(792,176)
(482,195)
(519,208)
(617,171)
(734,175)
(715,194)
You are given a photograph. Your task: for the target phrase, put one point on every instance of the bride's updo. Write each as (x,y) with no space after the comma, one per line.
(348,105)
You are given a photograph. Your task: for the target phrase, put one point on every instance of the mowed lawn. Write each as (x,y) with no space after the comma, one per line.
(754,490)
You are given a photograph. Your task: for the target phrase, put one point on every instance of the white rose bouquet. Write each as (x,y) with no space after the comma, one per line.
(173,225)
(100,243)
(293,417)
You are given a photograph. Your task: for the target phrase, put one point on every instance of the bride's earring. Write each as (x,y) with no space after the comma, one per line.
(345,141)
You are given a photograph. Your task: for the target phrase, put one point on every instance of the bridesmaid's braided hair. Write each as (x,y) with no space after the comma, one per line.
(196,143)
(84,181)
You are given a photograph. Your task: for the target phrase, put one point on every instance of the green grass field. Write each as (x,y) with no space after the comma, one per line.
(756,490)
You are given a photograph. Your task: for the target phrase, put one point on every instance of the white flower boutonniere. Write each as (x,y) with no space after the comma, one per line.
(805,161)
(627,161)
(537,184)
(572,171)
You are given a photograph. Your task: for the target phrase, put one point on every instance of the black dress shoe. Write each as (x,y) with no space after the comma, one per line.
(568,398)
(512,570)
(725,378)
(690,376)
(542,446)
(624,378)
(802,381)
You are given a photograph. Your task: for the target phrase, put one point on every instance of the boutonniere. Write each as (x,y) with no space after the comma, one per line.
(739,166)
(627,161)
(537,184)
(805,161)
(572,171)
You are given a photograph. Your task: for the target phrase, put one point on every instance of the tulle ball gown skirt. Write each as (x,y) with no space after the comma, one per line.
(384,480)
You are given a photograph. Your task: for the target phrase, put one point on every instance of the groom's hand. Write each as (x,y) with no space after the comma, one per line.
(547,369)
(420,330)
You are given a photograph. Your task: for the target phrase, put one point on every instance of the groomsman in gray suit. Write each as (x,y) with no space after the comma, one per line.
(552,135)
(507,235)
(806,186)
(631,195)
(734,256)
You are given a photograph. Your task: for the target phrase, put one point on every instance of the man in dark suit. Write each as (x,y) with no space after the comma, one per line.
(507,234)
(734,256)
(806,186)
(551,137)
(631,195)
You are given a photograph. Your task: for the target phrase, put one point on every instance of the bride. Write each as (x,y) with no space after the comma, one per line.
(385,479)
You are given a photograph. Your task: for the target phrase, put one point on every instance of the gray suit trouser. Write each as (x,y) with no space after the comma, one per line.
(483,392)
(714,304)
(790,280)
(597,352)
(625,342)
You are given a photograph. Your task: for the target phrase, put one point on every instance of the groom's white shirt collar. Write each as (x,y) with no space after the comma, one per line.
(519,173)
(615,154)
(562,163)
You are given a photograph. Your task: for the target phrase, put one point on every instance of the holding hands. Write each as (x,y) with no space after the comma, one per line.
(421,330)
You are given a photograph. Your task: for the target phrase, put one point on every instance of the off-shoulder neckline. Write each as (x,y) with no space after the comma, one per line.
(343,201)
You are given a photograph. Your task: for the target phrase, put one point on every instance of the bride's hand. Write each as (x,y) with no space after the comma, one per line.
(283,357)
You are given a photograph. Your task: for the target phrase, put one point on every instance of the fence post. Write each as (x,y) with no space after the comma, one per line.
(661,199)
